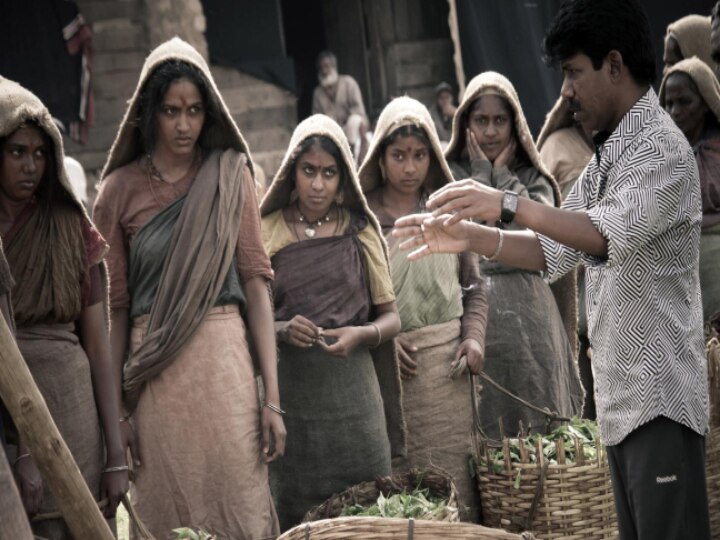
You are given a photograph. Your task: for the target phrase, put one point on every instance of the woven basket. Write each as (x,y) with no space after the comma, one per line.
(438,483)
(371,528)
(563,500)
(712,440)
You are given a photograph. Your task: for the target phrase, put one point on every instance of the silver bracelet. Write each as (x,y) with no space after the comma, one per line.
(21,456)
(273,407)
(119,468)
(499,247)
(379,335)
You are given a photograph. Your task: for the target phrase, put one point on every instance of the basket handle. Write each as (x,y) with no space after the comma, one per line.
(550,415)
(143,532)
(539,489)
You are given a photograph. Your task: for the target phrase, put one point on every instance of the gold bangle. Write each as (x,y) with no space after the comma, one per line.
(499,247)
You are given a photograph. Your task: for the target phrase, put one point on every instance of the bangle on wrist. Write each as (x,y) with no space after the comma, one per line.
(379,335)
(273,407)
(499,247)
(119,468)
(21,456)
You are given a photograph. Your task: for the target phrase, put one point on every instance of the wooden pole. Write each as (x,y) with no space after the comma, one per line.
(13,519)
(40,434)
(457,54)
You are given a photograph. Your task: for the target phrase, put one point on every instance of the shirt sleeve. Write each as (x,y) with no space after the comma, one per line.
(252,258)
(647,199)
(378,270)
(560,259)
(106,216)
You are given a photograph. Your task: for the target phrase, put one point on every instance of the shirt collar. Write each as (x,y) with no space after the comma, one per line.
(612,145)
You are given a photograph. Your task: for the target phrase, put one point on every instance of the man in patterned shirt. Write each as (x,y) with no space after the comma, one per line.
(633,220)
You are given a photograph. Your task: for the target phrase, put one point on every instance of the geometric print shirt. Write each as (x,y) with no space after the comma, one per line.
(641,190)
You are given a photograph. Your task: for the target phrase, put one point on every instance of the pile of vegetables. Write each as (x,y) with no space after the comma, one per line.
(584,431)
(417,504)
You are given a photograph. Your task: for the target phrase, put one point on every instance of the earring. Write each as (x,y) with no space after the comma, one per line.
(340,198)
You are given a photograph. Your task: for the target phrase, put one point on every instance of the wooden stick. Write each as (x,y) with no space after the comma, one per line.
(506,454)
(524,457)
(560,451)
(49,452)
(13,519)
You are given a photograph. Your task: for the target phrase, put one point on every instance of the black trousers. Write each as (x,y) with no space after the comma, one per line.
(658,477)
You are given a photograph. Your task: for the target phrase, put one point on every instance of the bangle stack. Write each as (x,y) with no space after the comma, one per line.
(273,407)
(379,335)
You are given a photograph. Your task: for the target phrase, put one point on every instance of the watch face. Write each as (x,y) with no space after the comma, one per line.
(510,202)
(509,206)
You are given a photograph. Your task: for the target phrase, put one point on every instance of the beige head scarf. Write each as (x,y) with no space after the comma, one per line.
(704,79)
(558,118)
(692,34)
(17,106)
(63,246)
(279,193)
(488,83)
(128,143)
(399,112)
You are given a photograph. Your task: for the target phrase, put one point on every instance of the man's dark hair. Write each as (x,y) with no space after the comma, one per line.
(153,93)
(596,27)
(715,11)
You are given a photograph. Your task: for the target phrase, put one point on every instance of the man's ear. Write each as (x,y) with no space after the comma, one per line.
(616,64)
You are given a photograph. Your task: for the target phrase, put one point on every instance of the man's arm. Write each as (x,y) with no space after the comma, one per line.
(468,199)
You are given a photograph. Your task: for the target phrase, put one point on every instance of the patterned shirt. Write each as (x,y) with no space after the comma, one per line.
(642,192)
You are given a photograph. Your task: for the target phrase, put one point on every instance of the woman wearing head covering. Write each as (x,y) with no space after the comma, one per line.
(59,305)
(688,37)
(334,301)
(439,327)
(188,281)
(526,346)
(690,93)
(564,147)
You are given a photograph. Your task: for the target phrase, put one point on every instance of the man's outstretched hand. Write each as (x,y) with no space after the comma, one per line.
(425,234)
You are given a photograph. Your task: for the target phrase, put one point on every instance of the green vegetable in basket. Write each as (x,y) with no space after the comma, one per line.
(417,504)
(584,431)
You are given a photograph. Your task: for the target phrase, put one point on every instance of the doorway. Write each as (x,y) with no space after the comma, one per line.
(304,28)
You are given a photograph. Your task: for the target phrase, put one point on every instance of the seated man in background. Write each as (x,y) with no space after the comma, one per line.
(339,97)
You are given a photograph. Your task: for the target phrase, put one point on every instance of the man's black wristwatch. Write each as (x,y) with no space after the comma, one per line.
(509,206)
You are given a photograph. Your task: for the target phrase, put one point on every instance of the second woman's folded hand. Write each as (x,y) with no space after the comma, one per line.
(348,338)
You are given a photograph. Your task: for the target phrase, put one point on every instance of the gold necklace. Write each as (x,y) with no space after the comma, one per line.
(311,226)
